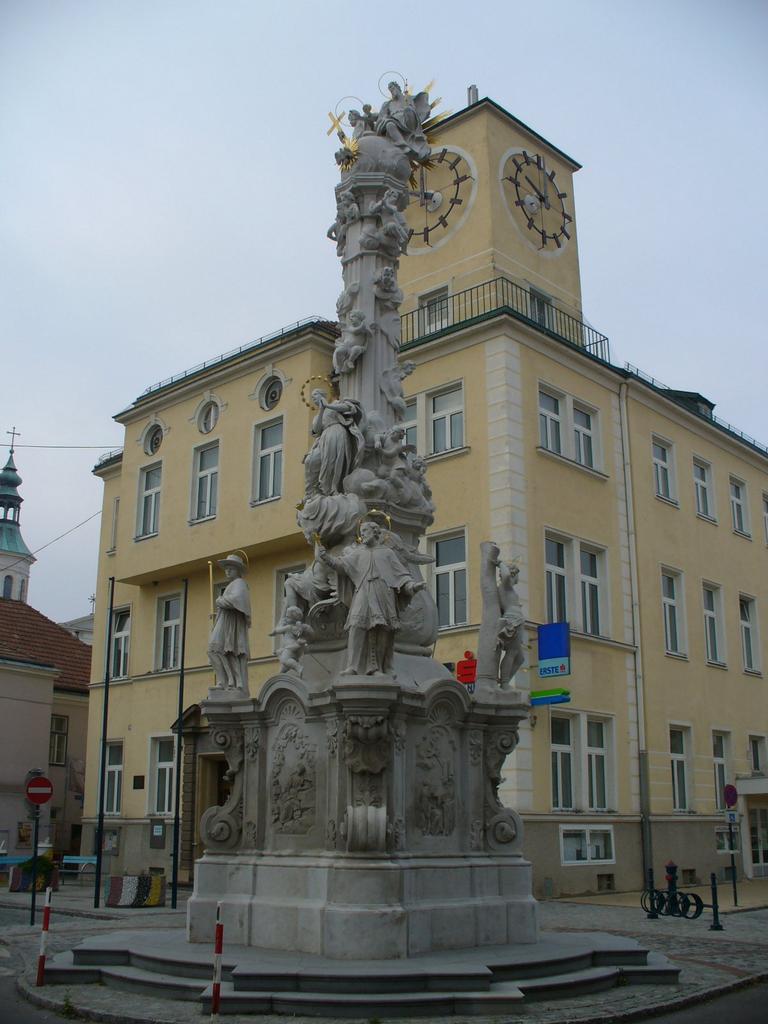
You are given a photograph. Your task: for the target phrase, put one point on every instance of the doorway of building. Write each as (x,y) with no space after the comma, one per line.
(758,835)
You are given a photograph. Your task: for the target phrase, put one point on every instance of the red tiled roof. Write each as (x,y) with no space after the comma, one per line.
(27,635)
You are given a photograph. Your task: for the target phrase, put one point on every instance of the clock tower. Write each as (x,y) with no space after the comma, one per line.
(496,201)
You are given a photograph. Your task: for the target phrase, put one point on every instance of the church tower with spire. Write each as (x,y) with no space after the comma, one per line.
(15,557)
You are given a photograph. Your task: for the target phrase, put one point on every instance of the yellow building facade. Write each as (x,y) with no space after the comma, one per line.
(633,514)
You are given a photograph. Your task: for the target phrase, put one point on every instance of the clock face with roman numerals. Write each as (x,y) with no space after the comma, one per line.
(536,200)
(439,203)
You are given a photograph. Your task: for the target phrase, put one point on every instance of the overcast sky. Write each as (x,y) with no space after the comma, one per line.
(166,183)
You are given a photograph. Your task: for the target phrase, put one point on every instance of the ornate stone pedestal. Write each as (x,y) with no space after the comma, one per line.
(364,820)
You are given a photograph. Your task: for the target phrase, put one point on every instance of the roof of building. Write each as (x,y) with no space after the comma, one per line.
(28,635)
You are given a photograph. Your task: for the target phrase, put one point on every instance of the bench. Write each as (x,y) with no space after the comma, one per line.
(9,862)
(76,865)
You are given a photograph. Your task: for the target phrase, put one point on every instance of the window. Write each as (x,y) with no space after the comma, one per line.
(447,419)
(7,587)
(702,483)
(434,310)
(541,308)
(163,752)
(671,600)
(586,845)
(590,591)
(757,759)
(269,461)
(170,631)
(583,447)
(206,485)
(719,740)
(57,750)
(765,517)
(723,839)
(596,754)
(270,393)
(113,794)
(450,580)
(549,422)
(208,418)
(410,423)
(677,748)
(555,580)
(712,624)
(748,620)
(153,440)
(121,637)
(562,763)
(113,531)
(149,500)
(738,506)
(662,469)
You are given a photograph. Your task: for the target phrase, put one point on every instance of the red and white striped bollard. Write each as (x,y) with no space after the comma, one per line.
(44,937)
(217,950)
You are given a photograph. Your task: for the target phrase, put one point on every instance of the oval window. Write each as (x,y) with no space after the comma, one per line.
(271,393)
(209,417)
(153,440)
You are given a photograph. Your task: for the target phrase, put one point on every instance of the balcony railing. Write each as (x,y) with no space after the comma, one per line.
(501,296)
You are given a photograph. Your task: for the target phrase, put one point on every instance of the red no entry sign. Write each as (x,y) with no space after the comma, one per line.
(39,790)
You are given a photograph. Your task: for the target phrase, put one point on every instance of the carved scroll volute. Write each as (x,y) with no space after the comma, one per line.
(221,826)
(503,826)
(367,751)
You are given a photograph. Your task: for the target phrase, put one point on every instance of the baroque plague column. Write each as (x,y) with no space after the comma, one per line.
(364,819)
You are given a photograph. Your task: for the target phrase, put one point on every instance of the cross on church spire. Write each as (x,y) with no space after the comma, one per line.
(14,434)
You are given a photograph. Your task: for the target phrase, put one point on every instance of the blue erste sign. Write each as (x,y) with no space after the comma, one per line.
(555,649)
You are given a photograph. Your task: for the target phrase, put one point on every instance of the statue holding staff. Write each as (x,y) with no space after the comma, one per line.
(228,649)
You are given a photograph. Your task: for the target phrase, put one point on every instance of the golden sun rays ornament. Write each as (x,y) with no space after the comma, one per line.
(350,152)
(325,379)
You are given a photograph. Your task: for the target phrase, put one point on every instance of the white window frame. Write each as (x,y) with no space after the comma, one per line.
(561,754)
(664,483)
(765,517)
(551,421)
(446,416)
(720,756)
(757,754)
(702,489)
(673,608)
(739,506)
(411,423)
(584,438)
(162,775)
(680,766)
(59,737)
(597,764)
(113,780)
(541,307)
(590,588)
(113,528)
(434,311)
(149,499)
(556,593)
(450,569)
(270,456)
(205,484)
(748,628)
(172,626)
(587,831)
(714,634)
(121,644)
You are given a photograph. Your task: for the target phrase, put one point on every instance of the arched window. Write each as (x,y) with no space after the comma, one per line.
(7,584)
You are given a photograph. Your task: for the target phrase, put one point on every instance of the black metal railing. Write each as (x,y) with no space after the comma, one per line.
(501,295)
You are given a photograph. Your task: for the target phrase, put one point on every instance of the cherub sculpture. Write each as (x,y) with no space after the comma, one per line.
(355,336)
(391,384)
(296,635)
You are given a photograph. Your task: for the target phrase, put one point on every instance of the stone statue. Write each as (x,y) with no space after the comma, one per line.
(296,635)
(338,447)
(500,643)
(389,296)
(355,335)
(392,384)
(392,220)
(228,649)
(382,586)
(346,300)
(302,590)
(400,120)
(347,212)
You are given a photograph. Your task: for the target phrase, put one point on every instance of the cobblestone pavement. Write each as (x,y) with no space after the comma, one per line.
(712,962)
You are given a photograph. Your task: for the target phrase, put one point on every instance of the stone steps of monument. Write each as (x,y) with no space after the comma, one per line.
(63,969)
(397,976)
(502,999)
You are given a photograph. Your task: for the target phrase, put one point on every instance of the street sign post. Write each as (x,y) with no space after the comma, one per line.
(731,797)
(38,790)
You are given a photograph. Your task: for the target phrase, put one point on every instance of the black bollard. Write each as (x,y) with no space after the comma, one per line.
(715,926)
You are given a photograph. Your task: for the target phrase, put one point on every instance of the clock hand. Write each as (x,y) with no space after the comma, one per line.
(546,182)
